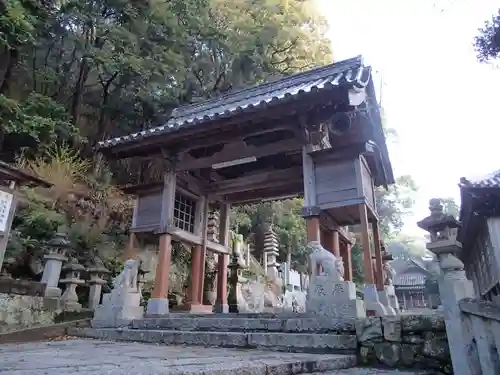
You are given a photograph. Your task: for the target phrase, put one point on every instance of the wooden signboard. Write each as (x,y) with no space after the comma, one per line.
(6,200)
(7,209)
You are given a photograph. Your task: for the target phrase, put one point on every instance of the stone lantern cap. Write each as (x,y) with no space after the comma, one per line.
(387,257)
(60,240)
(73,266)
(97,266)
(438,221)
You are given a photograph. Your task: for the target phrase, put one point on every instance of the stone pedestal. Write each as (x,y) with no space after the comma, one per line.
(335,299)
(95,289)
(157,306)
(372,301)
(50,277)
(122,305)
(69,299)
(96,273)
(393,299)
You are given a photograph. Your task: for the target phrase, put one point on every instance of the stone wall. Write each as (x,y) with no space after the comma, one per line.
(23,311)
(413,341)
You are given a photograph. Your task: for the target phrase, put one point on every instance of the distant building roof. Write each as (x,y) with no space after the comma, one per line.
(490,180)
(479,198)
(410,280)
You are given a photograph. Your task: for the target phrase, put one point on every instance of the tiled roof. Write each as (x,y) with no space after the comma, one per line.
(490,180)
(413,279)
(348,73)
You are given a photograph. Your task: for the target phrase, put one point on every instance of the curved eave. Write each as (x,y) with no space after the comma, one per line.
(350,75)
(476,204)
(159,137)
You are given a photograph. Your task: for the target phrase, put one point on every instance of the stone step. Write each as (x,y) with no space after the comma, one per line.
(96,357)
(275,341)
(243,324)
(374,371)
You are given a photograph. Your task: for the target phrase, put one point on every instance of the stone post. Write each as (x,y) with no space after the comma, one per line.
(96,281)
(271,252)
(72,271)
(234,278)
(57,247)
(453,285)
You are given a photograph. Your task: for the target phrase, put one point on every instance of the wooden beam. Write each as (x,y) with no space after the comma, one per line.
(233,136)
(258,181)
(238,150)
(283,192)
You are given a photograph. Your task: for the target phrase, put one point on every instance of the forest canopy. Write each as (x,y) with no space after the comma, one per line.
(73,73)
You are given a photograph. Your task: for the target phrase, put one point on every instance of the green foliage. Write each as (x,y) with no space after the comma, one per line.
(450,207)
(287,223)
(394,204)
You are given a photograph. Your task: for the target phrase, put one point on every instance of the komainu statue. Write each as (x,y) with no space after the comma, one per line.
(333,267)
(122,305)
(128,278)
(389,274)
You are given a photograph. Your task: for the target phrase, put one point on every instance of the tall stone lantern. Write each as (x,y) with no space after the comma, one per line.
(57,250)
(453,284)
(97,273)
(72,279)
(235,268)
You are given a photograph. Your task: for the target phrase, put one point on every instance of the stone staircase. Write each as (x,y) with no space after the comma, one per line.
(321,344)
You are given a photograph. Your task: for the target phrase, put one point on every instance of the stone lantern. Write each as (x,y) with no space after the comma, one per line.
(72,279)
(453,284)
(57,250)
(389,275)
(96,272)
(235,268)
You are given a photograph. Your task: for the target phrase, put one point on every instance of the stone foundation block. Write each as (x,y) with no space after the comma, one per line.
(157,306)
(372,301)
(333,299)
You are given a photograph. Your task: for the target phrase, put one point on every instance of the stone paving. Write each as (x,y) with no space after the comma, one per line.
(93,357)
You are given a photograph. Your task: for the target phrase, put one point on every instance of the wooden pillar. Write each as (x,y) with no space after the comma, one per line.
(160,290)
(196,275)
(221,305)
(312,222)
(201,270)
(333,243)
(158,303)
(324,235)
(347,262)
(365,244)
(313,229)
(378,256)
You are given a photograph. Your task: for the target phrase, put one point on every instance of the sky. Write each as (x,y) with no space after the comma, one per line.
(435,94)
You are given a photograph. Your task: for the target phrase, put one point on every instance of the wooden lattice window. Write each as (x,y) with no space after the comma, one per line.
(184,212)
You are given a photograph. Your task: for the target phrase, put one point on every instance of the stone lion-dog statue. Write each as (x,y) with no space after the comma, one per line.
(127,279)
(333,267)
